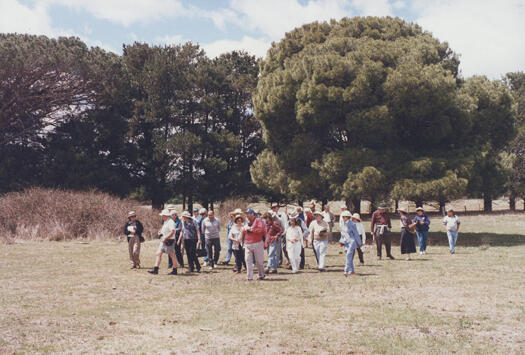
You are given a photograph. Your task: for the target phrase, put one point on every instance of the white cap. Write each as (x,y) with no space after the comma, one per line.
(346,214)
(356,216)
(202,210)
(165,212)
(131,213)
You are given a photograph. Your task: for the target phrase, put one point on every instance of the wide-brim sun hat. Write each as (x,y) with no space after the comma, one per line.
(203,210)
(307,209)
(274,204)
(317,213)
(174,211)
(344,206)
(356,216)
(293,215)
(450,210)
(239,215)
(165,212)
(420,209)
(186,214)
(235,212)
(401,209)
(170,207)
(132,214)
(382,207)
(346,214)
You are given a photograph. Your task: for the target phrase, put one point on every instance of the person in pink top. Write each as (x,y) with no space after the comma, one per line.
(253,244)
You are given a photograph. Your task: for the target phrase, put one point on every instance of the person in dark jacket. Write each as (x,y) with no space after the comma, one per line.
(408,246)
(133,230)
(178,227)
(422,226)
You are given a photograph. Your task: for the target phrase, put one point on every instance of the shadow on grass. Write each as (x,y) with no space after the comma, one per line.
(472,239)
(266,279)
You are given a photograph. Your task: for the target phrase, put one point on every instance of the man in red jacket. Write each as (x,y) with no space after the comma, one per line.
(253,244)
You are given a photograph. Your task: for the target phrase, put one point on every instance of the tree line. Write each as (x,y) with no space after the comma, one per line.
(363,108)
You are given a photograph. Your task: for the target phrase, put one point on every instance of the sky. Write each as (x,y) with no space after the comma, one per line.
(489,35)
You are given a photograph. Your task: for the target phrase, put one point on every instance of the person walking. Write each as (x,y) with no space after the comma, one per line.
(235,235)
(318,238)
(294,241)
(229,243)
(178,226)
(201,215)
(272,241)
(452,224)
(351,240)
(309,216)
(341,220)
(167,242)
(380,226)
(283,220)
(211,227)
(422,226)
(133,230)
(253,244)
(190,239)
(408,246)
(356,218)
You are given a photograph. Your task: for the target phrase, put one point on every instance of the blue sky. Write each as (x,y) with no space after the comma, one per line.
(487,34)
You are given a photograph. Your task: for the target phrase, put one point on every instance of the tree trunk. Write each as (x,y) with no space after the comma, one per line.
(373,206)
(190,203)
(442,207)
(183,202)
(354,204)
(324,202)
(157,202)
(419,203)
(396,202)
(512,201)
(487,203)
(211,206)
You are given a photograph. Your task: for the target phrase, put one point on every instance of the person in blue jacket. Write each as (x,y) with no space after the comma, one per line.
(351,240)
(422,226)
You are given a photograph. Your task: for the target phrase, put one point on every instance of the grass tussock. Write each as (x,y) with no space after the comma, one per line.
(50,214)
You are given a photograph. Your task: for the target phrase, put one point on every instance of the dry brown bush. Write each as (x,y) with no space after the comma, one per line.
(229,205)
(50,214)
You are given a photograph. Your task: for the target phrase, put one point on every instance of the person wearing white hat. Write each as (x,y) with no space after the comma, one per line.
(356,218)
(301,223)
(422,226)
(235,235)
(133,230)
(229,242)
(351,240)
(341,220)
(178,246)
(190,237)
(167,242)
(202,213)
(318,238)
(283,221)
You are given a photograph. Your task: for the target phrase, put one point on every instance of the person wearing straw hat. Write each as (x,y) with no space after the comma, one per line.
(356,218)
(190,237)
(408,246)
(235,235)
(351,240)
(133,230)
(229,243)
(318,238)
(167,242)
(272,241)
(301,223)
(380,226)
(452,224)
(422,226)
(178,246)
(252,235)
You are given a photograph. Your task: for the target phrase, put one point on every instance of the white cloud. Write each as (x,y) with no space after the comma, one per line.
(487,34)
(255,46)
(274,18)
(176,39)
(16,17)
(127,12)
(373,7)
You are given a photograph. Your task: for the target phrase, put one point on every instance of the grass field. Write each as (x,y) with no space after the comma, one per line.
(79,297)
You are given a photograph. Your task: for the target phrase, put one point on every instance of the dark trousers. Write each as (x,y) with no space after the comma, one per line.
(213,248)
(361,257)
(301,264)
(178,254)
(381,239)
(239,258)
(191,252)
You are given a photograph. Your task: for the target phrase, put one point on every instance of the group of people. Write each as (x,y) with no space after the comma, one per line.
(284,236)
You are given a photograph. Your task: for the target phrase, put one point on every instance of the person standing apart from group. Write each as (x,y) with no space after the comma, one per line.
(190,238)
(356,218)
(211,227)
(422,226)
(272,241)
(408,246)
(235,236)
(294,243)
(167,242)
(318,238)
(253,244)
(380,226)
(351,240)
(133,230)
(452,224)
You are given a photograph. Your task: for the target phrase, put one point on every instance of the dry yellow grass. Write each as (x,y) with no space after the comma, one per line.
(71,297)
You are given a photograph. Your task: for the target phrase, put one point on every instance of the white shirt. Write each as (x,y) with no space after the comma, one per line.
(236,233)
(293,233)
(167,228)
(327,217)
(451,223)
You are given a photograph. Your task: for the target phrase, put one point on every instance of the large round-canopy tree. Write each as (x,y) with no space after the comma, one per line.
(334,98)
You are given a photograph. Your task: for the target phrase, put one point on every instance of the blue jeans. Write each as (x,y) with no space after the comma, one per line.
(229,250)
(452,238)
(422,238)
(273,255)
(349,267)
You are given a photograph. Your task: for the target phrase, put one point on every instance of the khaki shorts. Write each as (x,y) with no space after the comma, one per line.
(163,248)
